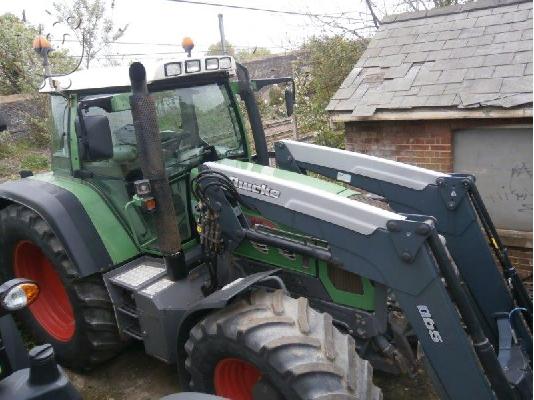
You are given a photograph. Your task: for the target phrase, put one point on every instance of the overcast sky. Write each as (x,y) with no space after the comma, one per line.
(167,22)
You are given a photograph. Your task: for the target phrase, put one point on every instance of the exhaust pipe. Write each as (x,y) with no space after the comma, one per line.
(153,168)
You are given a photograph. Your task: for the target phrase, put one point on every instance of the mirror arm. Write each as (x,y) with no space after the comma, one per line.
(83,139)
(261,83)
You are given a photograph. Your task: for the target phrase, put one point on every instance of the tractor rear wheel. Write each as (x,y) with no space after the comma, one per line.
(272,346)
(74,315)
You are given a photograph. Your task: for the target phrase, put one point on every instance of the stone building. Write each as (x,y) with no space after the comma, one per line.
(450,89)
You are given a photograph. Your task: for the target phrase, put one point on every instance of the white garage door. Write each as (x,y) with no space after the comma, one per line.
(501,160)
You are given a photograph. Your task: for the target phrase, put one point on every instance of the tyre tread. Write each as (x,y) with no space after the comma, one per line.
(97,316)
(301,344)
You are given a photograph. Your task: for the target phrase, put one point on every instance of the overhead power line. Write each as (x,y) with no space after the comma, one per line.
(269,10)
(177,44)
(119,42)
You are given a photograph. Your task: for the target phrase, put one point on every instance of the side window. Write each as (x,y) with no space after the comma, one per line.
(168,109)
(216,119)
(121,124)
(59,108)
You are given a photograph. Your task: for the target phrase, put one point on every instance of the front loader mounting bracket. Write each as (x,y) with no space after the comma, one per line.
(408,236)
(452,190)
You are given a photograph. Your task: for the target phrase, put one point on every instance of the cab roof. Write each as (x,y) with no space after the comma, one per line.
(114,77)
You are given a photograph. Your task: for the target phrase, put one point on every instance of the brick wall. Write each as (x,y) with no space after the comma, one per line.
(521,258)
(427,144)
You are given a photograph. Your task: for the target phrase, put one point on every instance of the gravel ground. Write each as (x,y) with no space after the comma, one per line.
(135,376)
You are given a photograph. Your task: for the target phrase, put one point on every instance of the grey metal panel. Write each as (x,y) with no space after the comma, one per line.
(351,214)
(501,160)
(361,164)
(158,303)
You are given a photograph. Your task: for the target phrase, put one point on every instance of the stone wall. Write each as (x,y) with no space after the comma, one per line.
(272,66)
(17,109)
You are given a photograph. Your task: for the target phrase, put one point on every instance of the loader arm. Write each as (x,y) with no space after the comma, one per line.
(402,252)
(452,199)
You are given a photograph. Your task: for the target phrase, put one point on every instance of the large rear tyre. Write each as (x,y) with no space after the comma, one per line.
(74,315)
(272,346)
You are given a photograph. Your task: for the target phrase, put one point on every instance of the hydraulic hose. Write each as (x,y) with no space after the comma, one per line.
(519,290)
(483,347)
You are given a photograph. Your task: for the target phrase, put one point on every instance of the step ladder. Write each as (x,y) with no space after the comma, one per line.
(148,306)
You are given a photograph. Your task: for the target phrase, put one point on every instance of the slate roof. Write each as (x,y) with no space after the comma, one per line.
(467,56)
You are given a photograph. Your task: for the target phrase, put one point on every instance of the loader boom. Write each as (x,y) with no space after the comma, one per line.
(452,199)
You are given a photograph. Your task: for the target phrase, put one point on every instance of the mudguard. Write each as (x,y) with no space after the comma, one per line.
(67,217)
(215,301)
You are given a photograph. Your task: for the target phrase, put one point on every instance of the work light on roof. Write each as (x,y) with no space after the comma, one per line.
(225,63)
(173,69)
(192,66)
(212,64)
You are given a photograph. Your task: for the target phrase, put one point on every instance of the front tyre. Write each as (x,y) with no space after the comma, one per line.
(74,315)
(272,346)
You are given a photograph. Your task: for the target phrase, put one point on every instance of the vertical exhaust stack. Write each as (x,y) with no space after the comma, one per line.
(152,164)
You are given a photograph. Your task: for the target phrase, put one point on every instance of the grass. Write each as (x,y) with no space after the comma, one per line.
(28,153)
(34,162)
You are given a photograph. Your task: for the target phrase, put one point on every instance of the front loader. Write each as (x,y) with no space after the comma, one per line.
(158,225)
(461,217)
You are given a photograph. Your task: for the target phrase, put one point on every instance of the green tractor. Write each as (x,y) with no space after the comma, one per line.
(157,224)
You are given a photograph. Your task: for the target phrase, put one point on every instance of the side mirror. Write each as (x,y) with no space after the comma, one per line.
(94,133)
(289,96)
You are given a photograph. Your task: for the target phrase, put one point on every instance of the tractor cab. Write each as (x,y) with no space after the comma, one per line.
(198,118)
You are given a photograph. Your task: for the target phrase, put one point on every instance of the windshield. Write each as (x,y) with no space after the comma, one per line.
(194,122)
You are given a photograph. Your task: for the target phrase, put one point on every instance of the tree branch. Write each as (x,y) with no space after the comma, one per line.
(376,21)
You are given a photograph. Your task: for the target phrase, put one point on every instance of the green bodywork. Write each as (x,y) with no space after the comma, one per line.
(296,262)
(127,232)
(110,227)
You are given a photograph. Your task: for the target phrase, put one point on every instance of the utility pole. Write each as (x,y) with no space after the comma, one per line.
(221,31)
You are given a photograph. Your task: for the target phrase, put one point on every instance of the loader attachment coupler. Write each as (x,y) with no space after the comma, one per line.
(461,217)
(403,252)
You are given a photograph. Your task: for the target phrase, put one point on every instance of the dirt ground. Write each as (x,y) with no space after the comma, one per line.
(135,376)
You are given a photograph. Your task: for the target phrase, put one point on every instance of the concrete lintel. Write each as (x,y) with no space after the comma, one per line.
(423,114)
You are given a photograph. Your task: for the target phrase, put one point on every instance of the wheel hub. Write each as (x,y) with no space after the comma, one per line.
(52,310)
(235,379)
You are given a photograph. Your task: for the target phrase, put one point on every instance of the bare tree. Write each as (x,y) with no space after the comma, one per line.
(353,25)
(376,21)
(90,21)
(407,6)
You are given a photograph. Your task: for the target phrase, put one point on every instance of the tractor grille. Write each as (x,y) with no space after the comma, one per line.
(344,280)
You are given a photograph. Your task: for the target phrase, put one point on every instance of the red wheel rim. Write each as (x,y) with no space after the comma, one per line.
(52,309)
(235,378)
